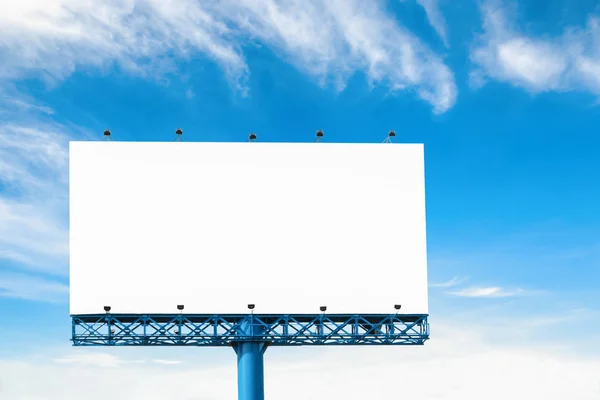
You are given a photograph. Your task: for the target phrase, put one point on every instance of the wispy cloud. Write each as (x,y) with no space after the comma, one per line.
(332,40)
(14,256)
(329,40)
(51,39)
(22,103)
(95,359)
(570,61)
(87,358)
(452,282)
(27,287)
(436,18)
(167,362)
(34,202)
(488,292)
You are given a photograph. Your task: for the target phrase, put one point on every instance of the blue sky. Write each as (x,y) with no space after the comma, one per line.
(503,94)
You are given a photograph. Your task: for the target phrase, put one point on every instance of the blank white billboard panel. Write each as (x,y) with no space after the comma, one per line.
(216,226)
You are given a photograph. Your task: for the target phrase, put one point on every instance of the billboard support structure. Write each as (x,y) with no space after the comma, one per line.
(249,334)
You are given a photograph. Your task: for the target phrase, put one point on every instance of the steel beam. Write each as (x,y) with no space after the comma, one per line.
(228,329)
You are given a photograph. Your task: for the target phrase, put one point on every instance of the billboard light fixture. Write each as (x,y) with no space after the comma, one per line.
(389,137)
(320,135)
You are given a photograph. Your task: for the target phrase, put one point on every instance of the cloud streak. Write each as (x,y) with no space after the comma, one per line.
(34,199)
(167,362)
(488,292)
(452,282)
(570,61)
(435,17)
(328,40)
(54,38)
(333,40)
(27,287)
(95,359)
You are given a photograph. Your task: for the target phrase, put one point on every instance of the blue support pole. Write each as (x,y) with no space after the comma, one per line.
(250,363)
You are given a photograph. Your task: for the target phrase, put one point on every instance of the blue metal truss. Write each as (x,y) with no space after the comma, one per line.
(227,330)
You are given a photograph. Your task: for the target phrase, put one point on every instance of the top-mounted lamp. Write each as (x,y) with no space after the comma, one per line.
(319,135)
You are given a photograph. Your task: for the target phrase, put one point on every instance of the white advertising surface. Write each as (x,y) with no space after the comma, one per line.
(218,226)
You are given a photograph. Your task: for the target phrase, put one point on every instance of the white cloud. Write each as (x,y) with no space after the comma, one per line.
(33,203)
(35,230)
(329,40)
(452,282)
(92,359)
(99,360)
(505,53)
(338,38)
(167,362)
(435,17)
(462,364)
(53,38)
(27,287)
(44,147)
(22,104)
(14,256)
(86,357)
(487,292)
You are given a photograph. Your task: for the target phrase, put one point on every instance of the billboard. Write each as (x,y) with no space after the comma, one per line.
(217,226)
